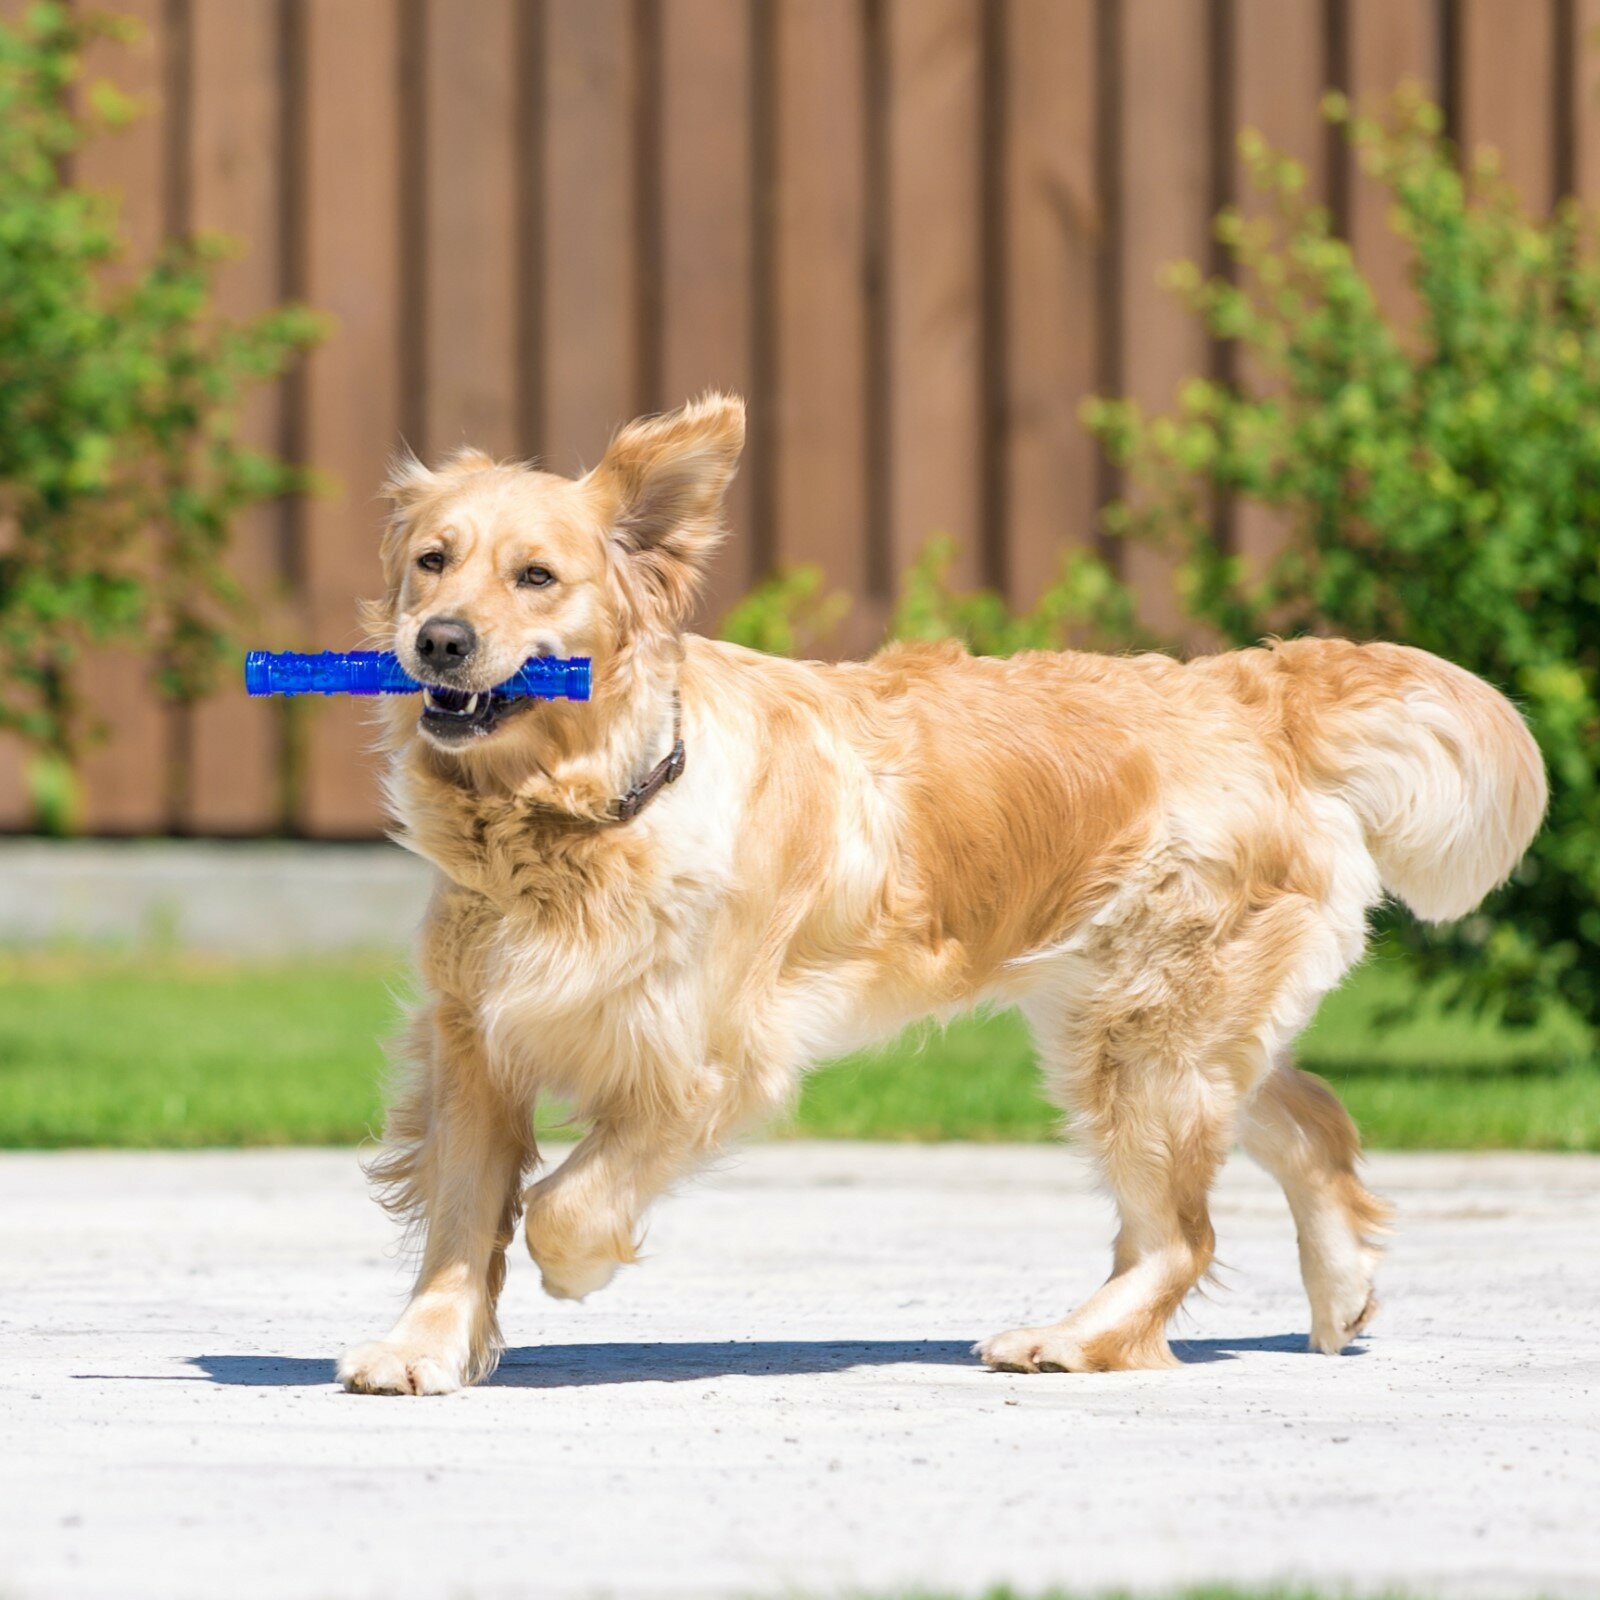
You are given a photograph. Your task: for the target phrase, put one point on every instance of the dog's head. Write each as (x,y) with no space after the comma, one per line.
(488,564)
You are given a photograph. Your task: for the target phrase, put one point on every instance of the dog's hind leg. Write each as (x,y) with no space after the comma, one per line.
(452,1165)
(1296,1128)
(1160,1133)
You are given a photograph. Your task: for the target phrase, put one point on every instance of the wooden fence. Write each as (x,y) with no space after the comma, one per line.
(914,232)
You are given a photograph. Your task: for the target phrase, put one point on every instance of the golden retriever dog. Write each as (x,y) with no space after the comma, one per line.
(662,905)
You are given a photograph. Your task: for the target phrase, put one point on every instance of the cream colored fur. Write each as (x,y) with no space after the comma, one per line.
(1165,866)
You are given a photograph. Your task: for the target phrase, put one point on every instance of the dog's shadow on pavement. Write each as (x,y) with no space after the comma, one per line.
(576,1366)
(562,1366)
(266,1372)
(565,1366)
(1197,1352)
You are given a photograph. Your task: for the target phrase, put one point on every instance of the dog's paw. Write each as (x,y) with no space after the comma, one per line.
(1033,1350)
(1335,1325)
(573,1280)
(379,1367)
(575,1253)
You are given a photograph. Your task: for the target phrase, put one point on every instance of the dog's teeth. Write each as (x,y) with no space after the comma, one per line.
(428,700)
(471,706)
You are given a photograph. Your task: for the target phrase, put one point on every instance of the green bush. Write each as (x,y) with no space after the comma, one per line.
(1086,607)
(121,469)
(1436,483)
(790,614)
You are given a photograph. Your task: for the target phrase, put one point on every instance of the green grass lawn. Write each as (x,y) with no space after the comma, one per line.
(167,1050)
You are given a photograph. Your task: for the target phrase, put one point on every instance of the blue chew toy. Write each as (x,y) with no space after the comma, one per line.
(379,672)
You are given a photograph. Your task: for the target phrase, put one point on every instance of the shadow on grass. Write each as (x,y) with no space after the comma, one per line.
(577,1366)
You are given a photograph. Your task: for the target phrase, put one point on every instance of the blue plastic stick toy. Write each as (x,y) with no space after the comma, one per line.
(379,672)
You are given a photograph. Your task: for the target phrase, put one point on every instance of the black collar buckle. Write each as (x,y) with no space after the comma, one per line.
(668,770)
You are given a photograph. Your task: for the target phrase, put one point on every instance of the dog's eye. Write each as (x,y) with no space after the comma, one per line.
(431,561)
(536,577)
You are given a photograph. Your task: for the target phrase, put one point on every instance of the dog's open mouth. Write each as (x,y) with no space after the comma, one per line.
(453,716)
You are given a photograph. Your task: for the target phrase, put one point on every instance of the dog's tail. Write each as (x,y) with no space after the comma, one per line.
(1441,772)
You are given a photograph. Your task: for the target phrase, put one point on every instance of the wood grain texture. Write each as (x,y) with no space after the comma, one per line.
(1391,41)
(15,808)
(591,333)
(16,813)
(1279,77)
(124,775)
(1055,234)
(707,226)
(1584,65)
(820,243)
(352,235)
(935,279)
(1507,89)
(235,183)
(470,226)
(1165,104)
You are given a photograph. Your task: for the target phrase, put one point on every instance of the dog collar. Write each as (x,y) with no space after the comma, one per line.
(667,770)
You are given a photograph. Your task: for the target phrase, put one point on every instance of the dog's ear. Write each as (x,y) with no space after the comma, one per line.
(408,483)
(410,480)
(663,479)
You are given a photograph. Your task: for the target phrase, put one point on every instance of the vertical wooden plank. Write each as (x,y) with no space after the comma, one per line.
(15,811)
(1390,42)
(235,163)
(1507,88)
(935,278)
(592,333)
(470,318)
(707,147)
(1278,82)
(1278,75)
(124,776)
(819,249)
(1055,233)
(1165,139)
(1585,69)
(352,243)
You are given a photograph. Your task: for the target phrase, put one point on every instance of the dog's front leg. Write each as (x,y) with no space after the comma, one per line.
(454,1163)
(583,1220)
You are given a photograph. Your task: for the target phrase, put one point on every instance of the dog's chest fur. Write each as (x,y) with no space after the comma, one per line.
(572,942)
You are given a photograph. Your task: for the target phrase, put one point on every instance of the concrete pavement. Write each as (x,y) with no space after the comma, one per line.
(780,1400)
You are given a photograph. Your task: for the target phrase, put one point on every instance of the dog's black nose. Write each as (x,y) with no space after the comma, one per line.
(446,642)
